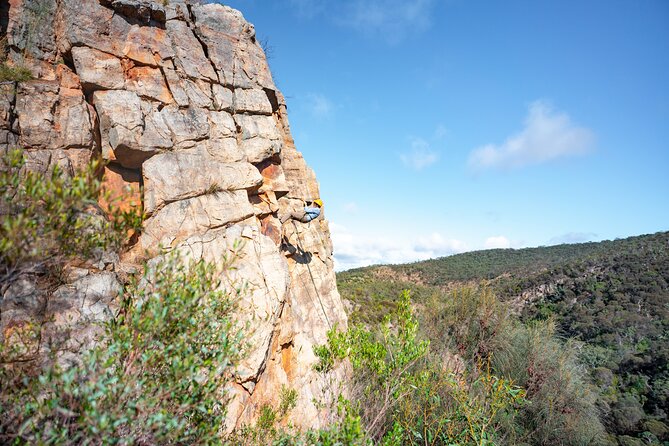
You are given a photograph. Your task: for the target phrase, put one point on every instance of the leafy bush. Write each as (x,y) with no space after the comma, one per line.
(267,431)
(448,408)
(157,377)
(562,405)
(383,362)
(49,219)
(403,394)
(468,321)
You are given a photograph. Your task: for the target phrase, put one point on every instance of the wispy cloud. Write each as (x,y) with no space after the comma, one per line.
(548,135)
(440,132)
(420,155)
(573,237)
(308,8)
(352,251)
(391,19)
(351,207)
(497,242)
(319,105)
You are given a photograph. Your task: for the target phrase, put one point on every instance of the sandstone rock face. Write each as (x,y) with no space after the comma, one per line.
(180,100)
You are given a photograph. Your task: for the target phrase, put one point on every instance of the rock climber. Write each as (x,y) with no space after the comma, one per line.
(310,212)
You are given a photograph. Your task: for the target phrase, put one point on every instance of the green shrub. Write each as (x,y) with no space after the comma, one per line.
(562,405)
(446,408)
(657,428)
(469,322)
(11,73)
(383,361)
(287,400)
(157,377)
(348,431)
(403,395)
(50,219)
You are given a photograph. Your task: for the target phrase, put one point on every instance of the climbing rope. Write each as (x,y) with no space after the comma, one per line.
(318,296)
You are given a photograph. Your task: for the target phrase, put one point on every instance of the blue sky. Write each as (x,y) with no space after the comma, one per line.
(438,127)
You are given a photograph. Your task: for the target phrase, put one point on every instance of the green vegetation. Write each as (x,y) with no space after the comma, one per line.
(609,300)
(9,73)
(157,377)
(403,394)
(493,263)
(50,219)
(469,373)
(273,427)
(618,305)
(14,74)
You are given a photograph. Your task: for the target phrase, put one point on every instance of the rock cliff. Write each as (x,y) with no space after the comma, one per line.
(180,99)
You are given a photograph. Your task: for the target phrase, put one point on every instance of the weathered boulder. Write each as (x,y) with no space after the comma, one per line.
(176,176)
(252,101)
(260,137)
(50,116)
(179,219)
(98,70)
(150,83)
(190,57)
(121,124)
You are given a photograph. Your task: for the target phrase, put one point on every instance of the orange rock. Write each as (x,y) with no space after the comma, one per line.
(121,188)
(273,178)
(67,78)
(287,360)
(271,227)
(149,82)
(148,45)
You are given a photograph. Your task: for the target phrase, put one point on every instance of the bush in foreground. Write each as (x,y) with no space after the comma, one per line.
(404,395)
(158,376)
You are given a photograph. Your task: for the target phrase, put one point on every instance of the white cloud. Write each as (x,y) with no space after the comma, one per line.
(420,155)
(497,242)
(391,19)
(352,251)
(547,135)
(319,105)
(437,245)
(351,207)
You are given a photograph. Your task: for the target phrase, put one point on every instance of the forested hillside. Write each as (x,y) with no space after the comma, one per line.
(611,298)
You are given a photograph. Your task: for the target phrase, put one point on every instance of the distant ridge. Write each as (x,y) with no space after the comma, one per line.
(491,263)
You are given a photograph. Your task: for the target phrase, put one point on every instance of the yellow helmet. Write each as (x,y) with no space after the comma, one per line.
(319,202)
